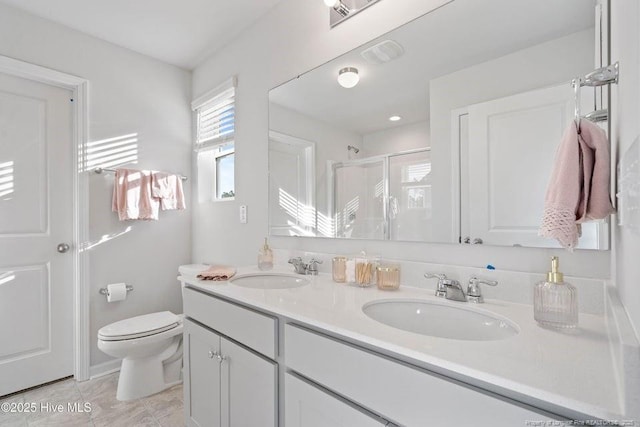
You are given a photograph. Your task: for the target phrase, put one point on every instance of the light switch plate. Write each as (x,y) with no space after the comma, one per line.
(243,214)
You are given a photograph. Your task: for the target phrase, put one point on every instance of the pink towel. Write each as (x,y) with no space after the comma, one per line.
(168,188)
(578,190)
(132,197)
(217,273)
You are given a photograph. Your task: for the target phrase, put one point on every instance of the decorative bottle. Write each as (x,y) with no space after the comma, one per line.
(265,257)
(555,302)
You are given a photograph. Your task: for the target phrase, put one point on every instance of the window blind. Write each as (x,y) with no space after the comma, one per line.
(215,116)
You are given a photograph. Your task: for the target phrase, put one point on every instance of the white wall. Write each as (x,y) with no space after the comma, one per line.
(625,47)
(396,139)
(293,38)
(128,93)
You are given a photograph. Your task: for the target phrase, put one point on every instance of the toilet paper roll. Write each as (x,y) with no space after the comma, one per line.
(116,292)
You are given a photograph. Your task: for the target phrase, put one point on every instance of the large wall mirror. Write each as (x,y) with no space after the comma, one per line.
(449,134)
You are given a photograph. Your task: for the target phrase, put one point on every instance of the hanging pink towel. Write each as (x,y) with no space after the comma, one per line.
(132,197)
(168,189)
(578,190)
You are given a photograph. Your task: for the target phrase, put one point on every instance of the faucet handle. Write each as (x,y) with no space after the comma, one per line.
(295,260)
(473,289)
(441,289)
(312,267)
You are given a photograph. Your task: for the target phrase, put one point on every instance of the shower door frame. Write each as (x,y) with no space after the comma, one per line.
(385,159)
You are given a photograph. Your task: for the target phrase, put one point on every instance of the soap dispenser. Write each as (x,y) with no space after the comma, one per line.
(555,302)
(265,257)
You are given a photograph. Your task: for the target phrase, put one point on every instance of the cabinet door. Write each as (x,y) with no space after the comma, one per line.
(249,387)
(201,376)
(308,406)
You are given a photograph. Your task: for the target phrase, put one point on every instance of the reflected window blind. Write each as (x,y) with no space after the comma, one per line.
(215,116)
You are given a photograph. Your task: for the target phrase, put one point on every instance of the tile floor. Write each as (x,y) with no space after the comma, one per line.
(163,409)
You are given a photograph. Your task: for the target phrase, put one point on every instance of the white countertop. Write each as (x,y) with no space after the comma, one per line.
(564,372)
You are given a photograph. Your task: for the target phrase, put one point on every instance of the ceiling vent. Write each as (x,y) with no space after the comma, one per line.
(382,52)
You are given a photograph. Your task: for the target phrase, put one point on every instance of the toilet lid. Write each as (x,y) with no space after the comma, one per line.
(139,326)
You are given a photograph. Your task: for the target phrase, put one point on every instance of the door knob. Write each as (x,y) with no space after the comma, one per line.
(63,248)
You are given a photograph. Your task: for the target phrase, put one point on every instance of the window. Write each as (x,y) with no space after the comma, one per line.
(416,185)
(214,142)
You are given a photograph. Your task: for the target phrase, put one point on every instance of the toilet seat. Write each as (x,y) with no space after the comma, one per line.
(139,326)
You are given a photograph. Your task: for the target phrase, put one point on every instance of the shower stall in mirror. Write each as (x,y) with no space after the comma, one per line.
(383,197)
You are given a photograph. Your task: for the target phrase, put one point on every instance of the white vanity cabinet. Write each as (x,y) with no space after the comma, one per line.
(227,383)
(241,370)
(405,394)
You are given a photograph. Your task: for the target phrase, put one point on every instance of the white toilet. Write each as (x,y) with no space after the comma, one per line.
(150,347)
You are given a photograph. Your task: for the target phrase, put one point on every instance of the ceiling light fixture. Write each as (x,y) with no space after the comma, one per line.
(395,118)
(348,77)
(338,6)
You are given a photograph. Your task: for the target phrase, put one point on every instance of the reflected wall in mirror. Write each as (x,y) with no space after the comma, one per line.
(450,134)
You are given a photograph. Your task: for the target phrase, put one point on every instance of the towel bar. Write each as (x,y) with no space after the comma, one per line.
(100,170)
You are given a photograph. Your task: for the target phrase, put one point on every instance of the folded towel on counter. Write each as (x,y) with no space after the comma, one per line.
(132,195)
(578,190)
(217,273)
(167,188)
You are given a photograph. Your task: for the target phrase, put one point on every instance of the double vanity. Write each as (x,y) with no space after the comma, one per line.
(284,349)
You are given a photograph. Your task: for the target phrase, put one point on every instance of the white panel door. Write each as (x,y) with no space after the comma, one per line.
(36,214)
(512,144)
(249,388)
(308,406)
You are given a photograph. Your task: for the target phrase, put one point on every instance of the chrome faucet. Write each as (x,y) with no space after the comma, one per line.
(447,288)
(308,268)
(299,265)
(473,289)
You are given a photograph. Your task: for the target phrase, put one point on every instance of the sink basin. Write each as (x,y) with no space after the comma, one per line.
(269,281)
(441,320)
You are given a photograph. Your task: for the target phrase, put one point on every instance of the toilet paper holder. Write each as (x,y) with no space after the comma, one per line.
(103,291)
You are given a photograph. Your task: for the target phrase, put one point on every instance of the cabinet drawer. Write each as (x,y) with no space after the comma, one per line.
(255,330)
(404,394)
(308,406)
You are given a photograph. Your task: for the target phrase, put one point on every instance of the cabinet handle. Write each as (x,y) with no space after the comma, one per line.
(221,358)
(213,354)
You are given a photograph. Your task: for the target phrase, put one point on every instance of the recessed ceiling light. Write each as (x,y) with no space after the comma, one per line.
(332,3)
(348,77)
(395,118)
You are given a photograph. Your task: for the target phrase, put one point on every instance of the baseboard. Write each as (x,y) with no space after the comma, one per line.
(105,368)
